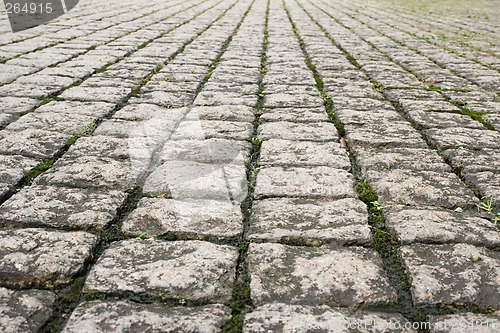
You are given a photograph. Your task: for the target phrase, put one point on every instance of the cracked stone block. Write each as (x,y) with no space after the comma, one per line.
(435,225)
(54,122)
(415,188)
(129,317)
(310,221)
(190,270)
(487,182)
(38,144)
(320,132)
(452,274)
(212,151)
(197,218)
(91,172)
(24,311)
(304,182)
(14,167)
(45,258)
(143,112)
(384,134)
(96,94)
(61,207)
(186,180)
(288,114)
(474,139)
(93,109)
(317,276)
(207,129)
(275,152)
(281,317)
(464,323)
(17,105)
(400,158)
(222,113)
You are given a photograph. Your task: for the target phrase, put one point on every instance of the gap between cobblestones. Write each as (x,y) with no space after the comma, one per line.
(241,302)
(70,296)
(385,243)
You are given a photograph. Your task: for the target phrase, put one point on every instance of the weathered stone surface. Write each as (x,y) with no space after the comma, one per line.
(96,94)
(130,317)
(90,172)
(453,274)
(464,323)
(61,207)
(198,218)
(304,182)
(183,180)
(294,100)
(400,158)
(17,105)
(190,270)
(317,276)
(39,144)
(213,151)
(470,161)
(384,135)
(310,221)
(446,138)
(142,112)
(414,188)
(281,317)
(14,167)
(222,113)
(207,129)
(427,119)
(435,225)
(45,258)
(276,152)
(321,132)
(95,109)
(24,311)
(54,122)
(487,182)
(294,115)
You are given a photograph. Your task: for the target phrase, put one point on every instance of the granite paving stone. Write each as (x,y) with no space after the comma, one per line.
(452,274)
(61,207)
(190,270)
(45,258)
(424,224)
(24,311)
(321,132)
(276,152)
(130,317)
(279,317)
(310,221)
(315,182)
(197,218)
(317,276)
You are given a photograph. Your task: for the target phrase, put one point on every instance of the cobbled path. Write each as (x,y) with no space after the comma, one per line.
(250,165)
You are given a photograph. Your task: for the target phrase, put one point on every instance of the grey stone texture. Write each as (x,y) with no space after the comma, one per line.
(190,270)
(130,317)
(452,274)
(279,317)
(45,258)
(317,276)
(24,311)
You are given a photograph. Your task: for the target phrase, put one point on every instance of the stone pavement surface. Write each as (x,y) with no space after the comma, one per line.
(251,166)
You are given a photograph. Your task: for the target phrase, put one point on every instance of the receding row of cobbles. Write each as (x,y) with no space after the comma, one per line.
(251,165)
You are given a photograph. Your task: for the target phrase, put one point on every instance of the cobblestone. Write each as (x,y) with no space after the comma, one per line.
(251,166)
